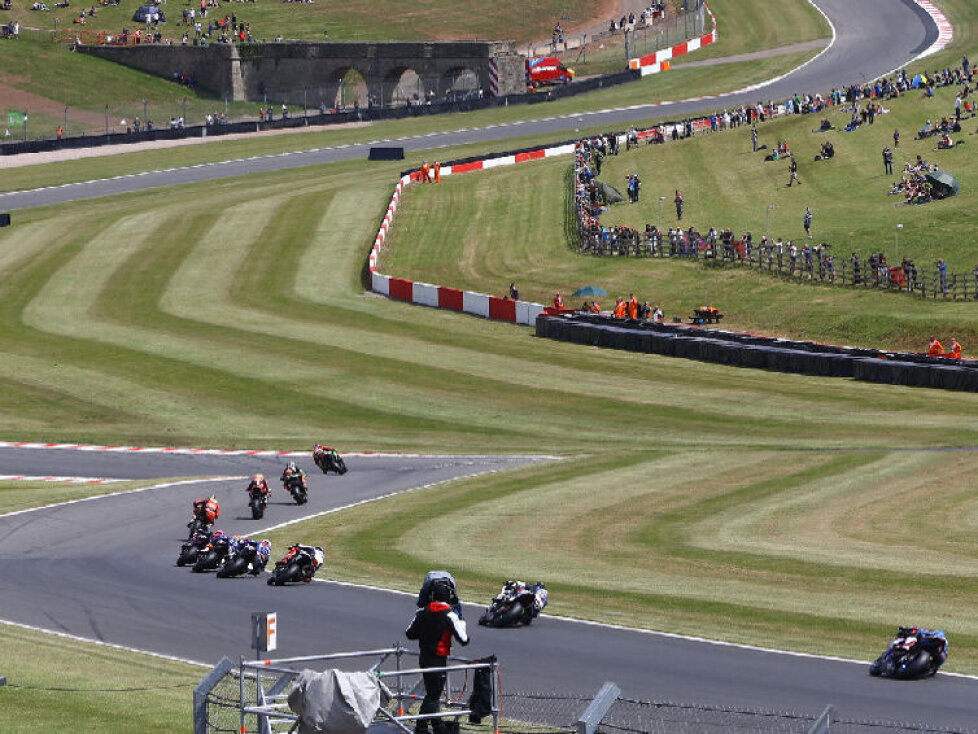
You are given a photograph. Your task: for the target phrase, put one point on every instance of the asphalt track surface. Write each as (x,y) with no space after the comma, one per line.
(104,569)
(873,37)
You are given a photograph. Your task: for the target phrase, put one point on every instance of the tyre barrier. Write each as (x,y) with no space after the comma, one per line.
(758,352)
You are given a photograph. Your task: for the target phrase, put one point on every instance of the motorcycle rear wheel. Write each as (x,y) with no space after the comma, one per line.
(205,562)
(257,510)
(507,616)
(915,667)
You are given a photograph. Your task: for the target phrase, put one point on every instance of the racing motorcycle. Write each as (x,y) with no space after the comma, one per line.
(257,501)
(913,653)
(296,484)
(299,564)
(329,460)
(214,554)
(190,549)
(516,604)
(248,556)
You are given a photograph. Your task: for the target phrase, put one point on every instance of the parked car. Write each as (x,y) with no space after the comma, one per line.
(148,14)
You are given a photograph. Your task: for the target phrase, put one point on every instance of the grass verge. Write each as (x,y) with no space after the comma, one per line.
(59,684)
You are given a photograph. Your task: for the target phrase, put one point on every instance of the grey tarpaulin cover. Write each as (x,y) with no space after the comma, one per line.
(335,702)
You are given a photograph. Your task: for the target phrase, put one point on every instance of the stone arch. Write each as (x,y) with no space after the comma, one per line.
(460,82)
(403,85)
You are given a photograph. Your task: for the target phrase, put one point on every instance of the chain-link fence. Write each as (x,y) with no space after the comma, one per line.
(558,713)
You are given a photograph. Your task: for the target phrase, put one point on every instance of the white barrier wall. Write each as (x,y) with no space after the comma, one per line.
(425,294)
(475,303)
(380,283)
(527,312)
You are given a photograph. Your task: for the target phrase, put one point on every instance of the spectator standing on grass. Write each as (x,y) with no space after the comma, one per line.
(753,137)
(793,172)
(896,139)
(679,205)
(434,626)
(887,160)
(514,292)
(942,273)
(558,300)
(808,222)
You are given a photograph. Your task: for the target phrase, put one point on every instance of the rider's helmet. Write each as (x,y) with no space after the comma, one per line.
(218,535)
(291,467)
(317,447)
(258,478)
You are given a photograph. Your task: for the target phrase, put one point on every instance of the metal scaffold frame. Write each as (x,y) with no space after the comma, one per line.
(405,683)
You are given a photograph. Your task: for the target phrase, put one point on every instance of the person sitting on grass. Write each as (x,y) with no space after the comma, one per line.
(827,151)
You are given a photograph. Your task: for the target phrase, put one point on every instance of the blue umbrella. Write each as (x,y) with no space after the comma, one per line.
(589,290)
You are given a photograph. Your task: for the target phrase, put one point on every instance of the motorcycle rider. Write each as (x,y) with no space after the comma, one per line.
(316,556)
(931,639)
(434,626)
(292,471)
(424,596)
(206,510)
(259,484)
(263,551)
(325,457)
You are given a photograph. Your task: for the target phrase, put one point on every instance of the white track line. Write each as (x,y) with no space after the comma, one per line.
(77,638)
(33,445)
(67,480)
(181,483)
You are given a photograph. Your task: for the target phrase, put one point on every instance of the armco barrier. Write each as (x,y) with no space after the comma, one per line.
(778,355)
(425,294)
(653,63)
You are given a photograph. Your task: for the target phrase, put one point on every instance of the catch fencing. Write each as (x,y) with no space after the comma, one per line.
(645,36)
(252,695)
(805,262)
(525,712)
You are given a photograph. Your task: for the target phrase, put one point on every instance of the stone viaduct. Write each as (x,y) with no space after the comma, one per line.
(291,70)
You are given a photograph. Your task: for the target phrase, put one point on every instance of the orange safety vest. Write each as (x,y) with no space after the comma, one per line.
(633,309)
(936,349)
(620,310)
(956,350)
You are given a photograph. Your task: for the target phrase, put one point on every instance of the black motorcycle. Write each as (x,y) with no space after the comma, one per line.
(516,604)
(257,501)
(329,461)
(213,556)
(298,565)
(913,653)
(190,549)
(296,485)
(239,561)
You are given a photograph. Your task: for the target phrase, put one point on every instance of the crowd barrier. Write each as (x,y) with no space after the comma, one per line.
(759,352)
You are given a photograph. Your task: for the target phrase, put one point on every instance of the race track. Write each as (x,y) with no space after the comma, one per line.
(104,569)
(873,37)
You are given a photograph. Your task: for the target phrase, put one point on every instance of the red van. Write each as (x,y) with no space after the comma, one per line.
(547,70)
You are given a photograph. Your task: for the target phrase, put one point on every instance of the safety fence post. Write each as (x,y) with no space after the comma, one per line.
(203,688)
(823,722)
(598,708)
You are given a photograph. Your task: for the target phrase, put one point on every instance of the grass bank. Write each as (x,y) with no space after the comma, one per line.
(23,495)
(755,547)
(60,684)
(462,221)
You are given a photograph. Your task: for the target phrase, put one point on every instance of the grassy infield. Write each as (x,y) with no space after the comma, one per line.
(231,314)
